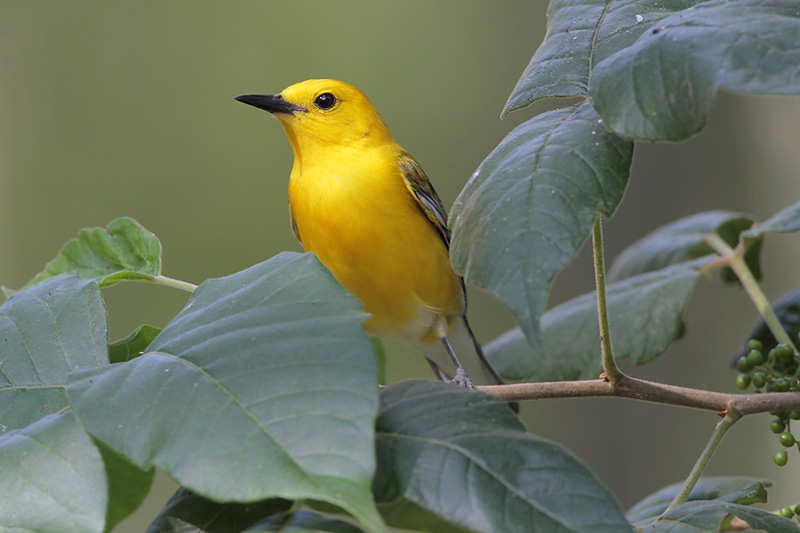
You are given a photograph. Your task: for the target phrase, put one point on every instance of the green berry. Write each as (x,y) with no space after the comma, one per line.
(794,415)
(786,512)
(787,439)
(742,365)
(780,458)
(797,509)
(783,353)
(759,380)
(754,358)
(755,344)
(777,426)
(782,385)
(742,381)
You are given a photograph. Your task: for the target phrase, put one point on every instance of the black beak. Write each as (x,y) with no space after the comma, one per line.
(274,103)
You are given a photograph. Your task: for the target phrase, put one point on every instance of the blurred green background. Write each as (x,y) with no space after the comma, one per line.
(123,108)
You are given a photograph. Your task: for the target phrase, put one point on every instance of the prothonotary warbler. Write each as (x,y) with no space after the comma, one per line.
(364,206)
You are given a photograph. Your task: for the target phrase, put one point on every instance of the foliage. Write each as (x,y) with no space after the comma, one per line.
(261,396)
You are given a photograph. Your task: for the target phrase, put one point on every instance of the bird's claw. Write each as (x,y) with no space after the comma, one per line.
(462,380)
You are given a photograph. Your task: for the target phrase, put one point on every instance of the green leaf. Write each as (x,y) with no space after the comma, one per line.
(45,333)
(380,355)
(264,386)
(644,314)
(187,511)
(133,345)
(122,251)
(304,522)
(683,240)
(662,85)
(692,517)
(741,490)
(579,35)
(531,204)
(450,459)
(51,478)
(127,485)
(785,221)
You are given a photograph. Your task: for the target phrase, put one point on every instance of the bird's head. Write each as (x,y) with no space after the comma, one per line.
(323,113)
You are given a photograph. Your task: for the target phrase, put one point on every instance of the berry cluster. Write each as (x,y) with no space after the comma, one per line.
(779,371)
(790,512)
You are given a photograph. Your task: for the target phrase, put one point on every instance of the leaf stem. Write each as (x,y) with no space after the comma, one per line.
(735,259)
(609,365)
(727,422)
(175,283)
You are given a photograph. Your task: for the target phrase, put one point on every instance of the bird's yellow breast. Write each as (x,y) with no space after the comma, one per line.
(353,210)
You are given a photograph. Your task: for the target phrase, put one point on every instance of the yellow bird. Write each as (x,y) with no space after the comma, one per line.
(364,206)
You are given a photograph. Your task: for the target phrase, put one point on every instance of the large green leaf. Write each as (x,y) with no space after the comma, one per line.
(532,202)
(661,86)
(644,314)
(122,251)
(450,459)
(741,490)
(264,386)
(51,478)
(580,34)
(45,333)
(694,517)
(683,240)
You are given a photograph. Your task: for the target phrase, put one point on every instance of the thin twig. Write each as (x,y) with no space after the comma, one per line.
(612,372)
(735,260)
(723,426)
(175,283)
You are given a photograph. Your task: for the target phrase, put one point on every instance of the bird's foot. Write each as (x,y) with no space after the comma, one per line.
(462,379)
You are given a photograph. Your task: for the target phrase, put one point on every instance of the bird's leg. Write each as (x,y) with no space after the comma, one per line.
(461,377)
(440,375)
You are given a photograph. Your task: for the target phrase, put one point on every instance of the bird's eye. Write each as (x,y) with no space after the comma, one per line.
(325,101)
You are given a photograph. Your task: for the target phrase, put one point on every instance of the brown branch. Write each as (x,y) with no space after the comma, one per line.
(648,391)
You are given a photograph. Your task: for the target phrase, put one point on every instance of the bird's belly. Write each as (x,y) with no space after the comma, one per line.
(393,260)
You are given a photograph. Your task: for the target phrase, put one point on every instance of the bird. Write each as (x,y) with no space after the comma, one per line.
(369,213)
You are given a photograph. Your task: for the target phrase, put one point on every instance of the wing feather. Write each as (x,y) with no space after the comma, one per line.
(293,223)
(423,192)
